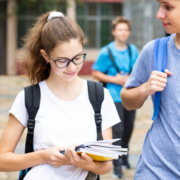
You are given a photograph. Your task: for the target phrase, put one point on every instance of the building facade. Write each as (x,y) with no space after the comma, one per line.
(145,26)
(94,17)
(3,7)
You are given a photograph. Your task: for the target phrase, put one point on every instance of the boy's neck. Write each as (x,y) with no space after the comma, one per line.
(177,40)
(120,45)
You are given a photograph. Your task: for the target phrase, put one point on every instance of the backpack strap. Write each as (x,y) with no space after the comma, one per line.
(129,50)
(96,97)
(112,59)
(32,102)
(130,57)
(160,61)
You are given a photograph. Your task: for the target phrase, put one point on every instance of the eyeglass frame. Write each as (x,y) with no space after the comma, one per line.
(70,60)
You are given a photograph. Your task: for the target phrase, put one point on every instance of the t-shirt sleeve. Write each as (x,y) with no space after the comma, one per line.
(103,62)
(110,116)
(142,68)
(18,109)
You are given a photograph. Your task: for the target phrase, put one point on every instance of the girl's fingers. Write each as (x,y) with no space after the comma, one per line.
(70,152)
(60,148)
(86,157)
(61,157)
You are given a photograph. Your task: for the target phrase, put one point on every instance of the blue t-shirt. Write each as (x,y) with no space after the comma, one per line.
(122,60)
(160,158)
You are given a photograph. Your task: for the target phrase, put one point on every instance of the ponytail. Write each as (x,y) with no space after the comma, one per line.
(33,63)
(46,35)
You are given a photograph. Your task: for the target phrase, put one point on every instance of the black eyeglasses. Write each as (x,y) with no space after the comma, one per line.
(64,62)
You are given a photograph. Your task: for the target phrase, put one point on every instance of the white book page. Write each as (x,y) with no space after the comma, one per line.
(119,153)
(109,141)
(111,149)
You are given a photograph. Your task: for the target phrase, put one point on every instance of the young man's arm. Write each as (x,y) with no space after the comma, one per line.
(135,97)
(118,79)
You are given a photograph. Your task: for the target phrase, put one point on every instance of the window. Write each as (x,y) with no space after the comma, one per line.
(95,20)
(29,10)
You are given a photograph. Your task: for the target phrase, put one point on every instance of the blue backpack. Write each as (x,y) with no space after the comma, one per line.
(160,61)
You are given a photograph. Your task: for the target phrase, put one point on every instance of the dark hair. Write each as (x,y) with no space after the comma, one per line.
(46,35)
(120,19)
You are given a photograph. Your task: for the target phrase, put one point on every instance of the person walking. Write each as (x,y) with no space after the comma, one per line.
(54,55)
(113,67)
(160,154)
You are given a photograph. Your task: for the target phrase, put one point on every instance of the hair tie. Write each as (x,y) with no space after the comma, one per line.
(54,14)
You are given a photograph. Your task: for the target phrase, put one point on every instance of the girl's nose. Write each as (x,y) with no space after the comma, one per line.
(71,66)
(160,13)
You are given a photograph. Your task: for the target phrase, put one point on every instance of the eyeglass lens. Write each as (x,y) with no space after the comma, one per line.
(64,62)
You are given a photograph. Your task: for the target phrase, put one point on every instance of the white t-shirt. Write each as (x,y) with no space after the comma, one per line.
(61,123)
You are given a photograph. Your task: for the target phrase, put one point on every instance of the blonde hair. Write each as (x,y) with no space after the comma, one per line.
(118,20)
(46,35)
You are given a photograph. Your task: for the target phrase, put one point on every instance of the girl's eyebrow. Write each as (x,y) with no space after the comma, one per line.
(68,58)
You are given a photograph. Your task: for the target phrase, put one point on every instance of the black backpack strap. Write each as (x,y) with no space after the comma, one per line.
(130,56)
(32,102)
(96,97)
(112,59)
(129,50)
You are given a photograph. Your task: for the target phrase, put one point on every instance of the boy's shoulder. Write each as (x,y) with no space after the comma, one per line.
(149,47)
(111,45)
(104,50)
(150,44)
(133,47)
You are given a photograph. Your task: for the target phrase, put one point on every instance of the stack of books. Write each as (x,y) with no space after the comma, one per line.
(101,150)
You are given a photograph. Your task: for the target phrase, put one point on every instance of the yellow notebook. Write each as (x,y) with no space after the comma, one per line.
(101,150)
(99,158)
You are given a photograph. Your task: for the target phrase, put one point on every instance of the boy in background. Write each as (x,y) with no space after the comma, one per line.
(115,74)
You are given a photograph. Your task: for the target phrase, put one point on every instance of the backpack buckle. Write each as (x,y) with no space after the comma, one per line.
(30,126)
(98,118)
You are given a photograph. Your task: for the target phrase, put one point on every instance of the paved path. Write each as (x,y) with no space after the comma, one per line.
(11,85)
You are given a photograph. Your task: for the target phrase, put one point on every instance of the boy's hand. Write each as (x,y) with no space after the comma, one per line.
(120,79)
(156,82)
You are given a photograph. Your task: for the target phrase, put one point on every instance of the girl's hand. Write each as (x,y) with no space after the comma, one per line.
(156,82)
(84,161)
(53,157)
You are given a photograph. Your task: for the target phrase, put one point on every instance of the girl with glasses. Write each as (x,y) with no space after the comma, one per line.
(54,55)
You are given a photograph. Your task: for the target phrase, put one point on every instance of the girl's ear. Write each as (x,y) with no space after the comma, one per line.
(44,54)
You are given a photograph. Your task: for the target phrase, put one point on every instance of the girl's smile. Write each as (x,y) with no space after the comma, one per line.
(70,73)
